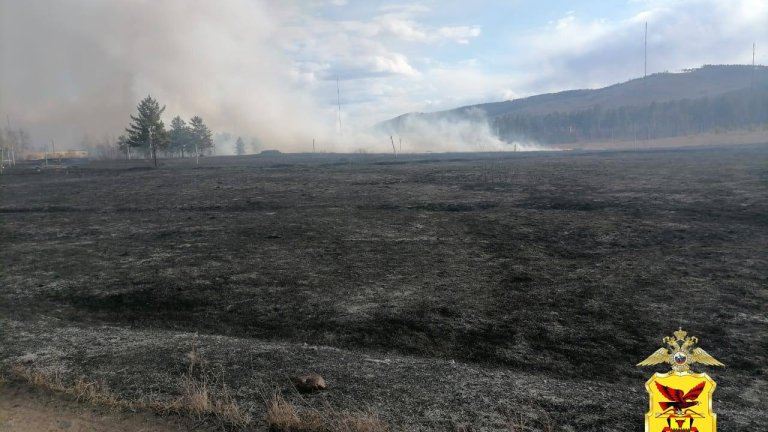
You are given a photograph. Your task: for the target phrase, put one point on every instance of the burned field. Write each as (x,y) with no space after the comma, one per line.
(441,291)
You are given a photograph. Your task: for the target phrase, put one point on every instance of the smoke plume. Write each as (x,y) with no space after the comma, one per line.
(74,71)
(72,68)
(452,133)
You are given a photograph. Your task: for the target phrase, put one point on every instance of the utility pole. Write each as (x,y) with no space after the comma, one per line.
(11,151)
(313,145)
(752,78)
(338,101)
(645,84)
(645,52)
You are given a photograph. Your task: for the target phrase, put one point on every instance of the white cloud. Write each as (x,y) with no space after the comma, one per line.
(577,52)
(459,34)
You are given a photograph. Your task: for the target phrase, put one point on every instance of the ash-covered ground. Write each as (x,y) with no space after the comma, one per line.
(440,291)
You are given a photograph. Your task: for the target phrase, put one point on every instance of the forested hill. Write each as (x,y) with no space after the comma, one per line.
(711,98)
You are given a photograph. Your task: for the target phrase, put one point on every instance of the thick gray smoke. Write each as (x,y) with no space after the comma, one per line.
(71,68)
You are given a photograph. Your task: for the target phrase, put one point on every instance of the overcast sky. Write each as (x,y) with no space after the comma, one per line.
(269,69)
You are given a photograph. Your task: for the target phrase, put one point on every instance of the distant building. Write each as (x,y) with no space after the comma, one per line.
(270,152)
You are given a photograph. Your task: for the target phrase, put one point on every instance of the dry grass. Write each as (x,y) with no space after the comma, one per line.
(537,420)
(82,390)
(369,422)
(284,416)
(516,423)
(203,398)
(199,399)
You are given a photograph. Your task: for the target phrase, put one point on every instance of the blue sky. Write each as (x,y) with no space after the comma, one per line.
(434,55)
(253,67)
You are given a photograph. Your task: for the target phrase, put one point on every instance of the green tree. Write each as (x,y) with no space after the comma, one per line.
(147,131)
(201,135)
(240,146)
(180,136)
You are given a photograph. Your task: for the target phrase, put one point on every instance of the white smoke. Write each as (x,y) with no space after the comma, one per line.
(470,132)
(76,67)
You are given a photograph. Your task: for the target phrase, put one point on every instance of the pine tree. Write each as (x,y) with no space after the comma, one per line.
(240,146)
(180,136)
(201,135)
(147,130)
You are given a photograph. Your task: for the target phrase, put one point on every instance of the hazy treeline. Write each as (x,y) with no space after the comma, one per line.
(14,143)
(734,110)
(147,134)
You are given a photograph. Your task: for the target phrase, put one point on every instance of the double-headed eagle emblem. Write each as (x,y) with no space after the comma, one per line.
(680,353)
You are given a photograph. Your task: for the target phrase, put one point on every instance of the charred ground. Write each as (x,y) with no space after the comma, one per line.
(566,267)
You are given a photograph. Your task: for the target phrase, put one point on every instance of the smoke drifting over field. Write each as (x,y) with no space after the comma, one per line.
(453,133)
(82,66)
(268,69)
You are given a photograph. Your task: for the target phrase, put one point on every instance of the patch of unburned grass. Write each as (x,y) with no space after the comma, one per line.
(199,399)
(83,390)
(284,416)
(204,397)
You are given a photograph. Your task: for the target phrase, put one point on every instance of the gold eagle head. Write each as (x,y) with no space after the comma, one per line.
(680,353)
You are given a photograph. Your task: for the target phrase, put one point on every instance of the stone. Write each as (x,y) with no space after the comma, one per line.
(308,383)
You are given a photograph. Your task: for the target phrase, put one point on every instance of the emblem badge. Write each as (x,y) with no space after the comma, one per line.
(680,400)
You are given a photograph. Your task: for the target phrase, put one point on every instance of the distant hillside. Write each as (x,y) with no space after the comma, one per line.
(711,98)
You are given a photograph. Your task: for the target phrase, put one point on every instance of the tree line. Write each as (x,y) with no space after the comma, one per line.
(13,143)
(739,109)
(148,136)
